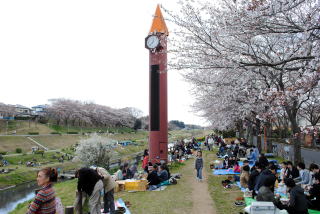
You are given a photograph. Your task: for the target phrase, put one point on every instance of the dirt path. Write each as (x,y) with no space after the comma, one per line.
(202,201)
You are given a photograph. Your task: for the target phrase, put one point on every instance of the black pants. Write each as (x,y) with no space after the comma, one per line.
(108,200)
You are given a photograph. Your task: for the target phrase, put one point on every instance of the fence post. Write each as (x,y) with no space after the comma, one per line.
(69,210)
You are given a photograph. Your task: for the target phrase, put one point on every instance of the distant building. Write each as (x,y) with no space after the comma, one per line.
(39,109)
(22,111)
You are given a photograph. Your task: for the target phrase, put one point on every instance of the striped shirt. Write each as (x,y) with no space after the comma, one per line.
(44,202)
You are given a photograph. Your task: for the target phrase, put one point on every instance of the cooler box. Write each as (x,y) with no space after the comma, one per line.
(262,207)
(138,185)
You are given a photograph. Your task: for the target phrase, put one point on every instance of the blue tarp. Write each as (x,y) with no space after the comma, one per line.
(225,172)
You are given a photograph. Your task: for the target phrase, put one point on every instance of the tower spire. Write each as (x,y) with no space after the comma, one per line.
(158,23)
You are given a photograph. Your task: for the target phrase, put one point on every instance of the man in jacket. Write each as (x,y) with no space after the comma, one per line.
(314,193)
(293,172)
(267,173)
(265,192)
(153,178)
(298,203)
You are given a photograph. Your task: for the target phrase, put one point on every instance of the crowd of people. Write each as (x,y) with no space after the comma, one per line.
(264,178)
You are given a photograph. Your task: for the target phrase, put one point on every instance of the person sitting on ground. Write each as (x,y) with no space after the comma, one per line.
(304,174)
(293,172)
(226,163)
(252,157)
(244,177)
(298,203)
(284,169)
(145,159)
(118,174)
(266,190)
(236,167)
(269,172)
(44,201)
(126,172)
(245,163)
(89,181)
(232,160)
(153,178)
(134,169)
(255,171)
(314,193)
(165,166)
(163,174)
(263,160)
(314,169)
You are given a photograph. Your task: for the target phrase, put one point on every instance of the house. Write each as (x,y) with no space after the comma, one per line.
(22,111)
(39,109)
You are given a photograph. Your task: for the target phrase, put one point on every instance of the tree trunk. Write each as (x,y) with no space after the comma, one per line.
(296,140)
(257,133)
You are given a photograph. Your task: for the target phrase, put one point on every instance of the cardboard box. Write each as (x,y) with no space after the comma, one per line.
(119,186)
(262,207)
(137,185)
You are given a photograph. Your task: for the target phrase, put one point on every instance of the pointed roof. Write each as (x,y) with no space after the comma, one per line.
(158,23)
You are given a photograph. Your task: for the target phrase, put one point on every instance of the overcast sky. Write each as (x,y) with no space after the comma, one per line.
(84,50)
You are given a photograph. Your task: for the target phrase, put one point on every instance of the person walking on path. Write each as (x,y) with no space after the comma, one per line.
(199,165)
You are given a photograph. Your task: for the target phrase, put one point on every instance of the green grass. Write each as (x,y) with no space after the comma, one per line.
(142,202)
(57,141)
(175,199)
(23,174)
(65,129)
(223,198)
(10,143)
(23,127)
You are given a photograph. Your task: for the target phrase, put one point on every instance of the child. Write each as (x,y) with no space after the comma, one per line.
(199,165)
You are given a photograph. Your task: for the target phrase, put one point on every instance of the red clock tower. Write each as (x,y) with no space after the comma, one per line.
(156,42)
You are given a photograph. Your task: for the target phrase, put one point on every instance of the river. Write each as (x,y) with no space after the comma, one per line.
(10,198)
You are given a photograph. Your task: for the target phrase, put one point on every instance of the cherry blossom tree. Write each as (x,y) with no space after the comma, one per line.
(7,110)
(77,113)
(249,56)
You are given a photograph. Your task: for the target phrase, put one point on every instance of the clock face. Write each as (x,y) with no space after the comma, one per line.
(152,42)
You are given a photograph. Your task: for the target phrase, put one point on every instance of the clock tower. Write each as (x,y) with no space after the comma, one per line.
(156,43)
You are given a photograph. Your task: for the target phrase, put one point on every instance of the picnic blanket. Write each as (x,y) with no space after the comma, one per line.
(250,200)
(241,188)
(225,172)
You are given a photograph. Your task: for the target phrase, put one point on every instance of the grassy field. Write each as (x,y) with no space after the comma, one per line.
(223,198)
(65,129)
(175,199)
(58,141)
(23,174)
(23,127)
(10,143)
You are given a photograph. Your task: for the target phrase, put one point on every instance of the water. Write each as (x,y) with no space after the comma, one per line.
(10,198)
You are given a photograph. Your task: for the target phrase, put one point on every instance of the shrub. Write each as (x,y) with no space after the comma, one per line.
(33,133)
(3,153)
(95,150)
(39,152)
(18,150)
(72,132)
